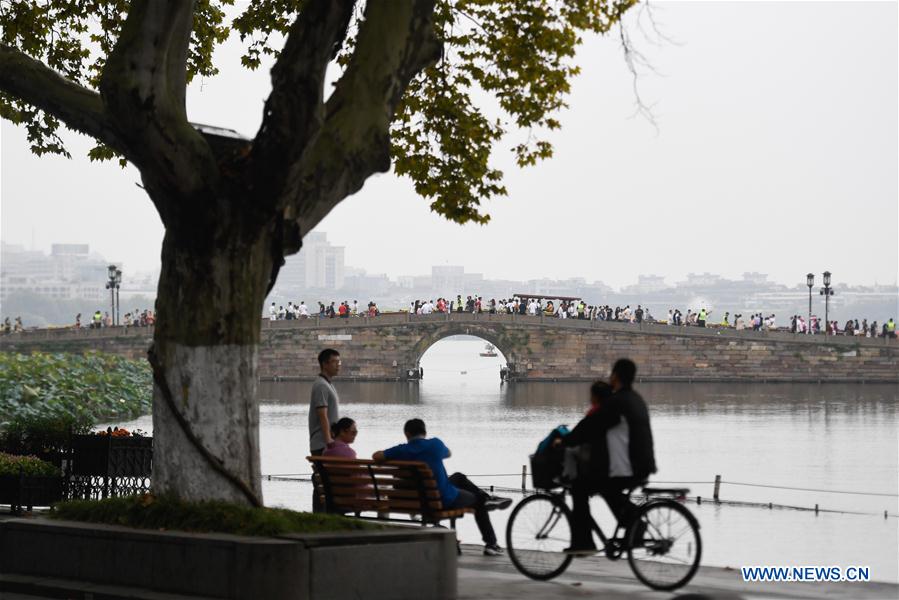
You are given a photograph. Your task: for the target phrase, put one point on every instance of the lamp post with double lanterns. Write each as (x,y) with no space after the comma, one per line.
(810,282)
(115,279)
(827,292)
(118,301)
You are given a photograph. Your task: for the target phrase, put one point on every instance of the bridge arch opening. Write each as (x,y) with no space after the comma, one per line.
(468,359)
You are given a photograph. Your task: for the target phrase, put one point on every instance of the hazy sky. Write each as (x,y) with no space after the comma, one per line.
(776,152)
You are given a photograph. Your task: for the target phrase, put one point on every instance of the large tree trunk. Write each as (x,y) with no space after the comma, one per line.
(205,412)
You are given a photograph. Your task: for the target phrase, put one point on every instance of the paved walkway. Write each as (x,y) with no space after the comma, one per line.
(496,578)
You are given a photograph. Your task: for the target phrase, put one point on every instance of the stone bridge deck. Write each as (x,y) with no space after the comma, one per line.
(537,348)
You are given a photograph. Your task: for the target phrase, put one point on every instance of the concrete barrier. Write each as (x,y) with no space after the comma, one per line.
(397,563)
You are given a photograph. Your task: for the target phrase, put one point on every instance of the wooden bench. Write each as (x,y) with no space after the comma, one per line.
(356,486)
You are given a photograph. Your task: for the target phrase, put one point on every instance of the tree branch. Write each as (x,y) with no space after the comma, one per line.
(396,41)
(37,84)
(143,86)
(294,111)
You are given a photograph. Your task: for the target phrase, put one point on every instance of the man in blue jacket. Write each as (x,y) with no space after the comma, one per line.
(456,491)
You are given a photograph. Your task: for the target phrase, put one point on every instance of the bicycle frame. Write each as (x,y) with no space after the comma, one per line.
(594,526)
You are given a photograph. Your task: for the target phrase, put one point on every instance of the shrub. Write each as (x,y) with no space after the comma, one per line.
(161,512)
(45,437)
(26,465)
(52,391)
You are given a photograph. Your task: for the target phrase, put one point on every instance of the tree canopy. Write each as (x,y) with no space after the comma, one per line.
(506,66)
(429,86)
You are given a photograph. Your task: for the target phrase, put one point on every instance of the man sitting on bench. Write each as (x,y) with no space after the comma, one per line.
(455,491)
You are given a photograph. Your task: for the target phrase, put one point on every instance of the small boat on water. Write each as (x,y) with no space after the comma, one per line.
(489,350)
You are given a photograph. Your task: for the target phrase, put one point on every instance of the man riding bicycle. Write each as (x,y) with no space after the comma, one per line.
(621,456)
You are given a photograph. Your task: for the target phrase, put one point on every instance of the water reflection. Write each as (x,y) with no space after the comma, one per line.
(880,400)
(374,392)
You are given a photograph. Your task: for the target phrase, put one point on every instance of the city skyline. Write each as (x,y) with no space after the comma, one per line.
(329,271)
(49,288)
(317,278)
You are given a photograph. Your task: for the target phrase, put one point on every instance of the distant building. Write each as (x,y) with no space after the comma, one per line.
(701,280)
(448,278)
(69,272)
(646,284)
(756,278)
(371,287)
(471,281)
(318,265)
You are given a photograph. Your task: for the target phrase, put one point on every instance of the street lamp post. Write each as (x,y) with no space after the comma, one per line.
(115,279)
(810,282)
(118,301)
(827,292)
(110,285)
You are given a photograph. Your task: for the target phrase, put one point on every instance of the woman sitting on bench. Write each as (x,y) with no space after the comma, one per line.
(343,433)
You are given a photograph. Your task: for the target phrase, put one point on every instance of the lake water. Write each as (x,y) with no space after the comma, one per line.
(822,437)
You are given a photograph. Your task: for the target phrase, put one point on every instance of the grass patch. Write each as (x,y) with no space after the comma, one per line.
(164,513)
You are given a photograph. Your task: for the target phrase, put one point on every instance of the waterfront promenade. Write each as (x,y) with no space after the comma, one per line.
(494,578)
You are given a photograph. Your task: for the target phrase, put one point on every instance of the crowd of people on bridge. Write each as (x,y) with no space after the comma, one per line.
(564,308)
(99,319)
(852,327)
(561,308)
(575,308)
(294,311)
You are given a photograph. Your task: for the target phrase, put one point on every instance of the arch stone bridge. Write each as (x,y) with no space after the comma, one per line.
(389,347)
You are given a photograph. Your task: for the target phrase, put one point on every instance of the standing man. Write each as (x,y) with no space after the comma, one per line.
(323,408)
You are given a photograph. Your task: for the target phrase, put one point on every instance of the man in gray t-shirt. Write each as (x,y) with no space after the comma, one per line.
(323,407)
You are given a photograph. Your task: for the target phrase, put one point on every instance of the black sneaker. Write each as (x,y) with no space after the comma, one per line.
(497,503)
(493,550)
(581,550)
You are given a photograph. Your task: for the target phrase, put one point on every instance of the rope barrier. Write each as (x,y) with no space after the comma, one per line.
(654,482)
(783,487)
(698,500)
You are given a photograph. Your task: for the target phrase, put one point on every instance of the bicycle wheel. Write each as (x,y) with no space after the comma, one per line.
(539,529)
(667,554)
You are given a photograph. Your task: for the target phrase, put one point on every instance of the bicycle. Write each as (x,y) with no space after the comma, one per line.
(665,558)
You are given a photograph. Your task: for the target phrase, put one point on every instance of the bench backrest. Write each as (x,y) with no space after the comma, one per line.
(355,485)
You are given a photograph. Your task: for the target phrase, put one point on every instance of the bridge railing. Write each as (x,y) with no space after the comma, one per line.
(403,318)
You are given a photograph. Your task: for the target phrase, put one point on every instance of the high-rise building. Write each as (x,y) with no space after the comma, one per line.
(318,265)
